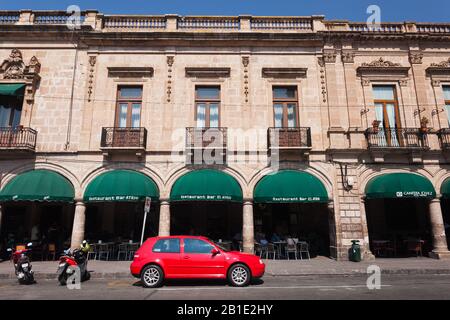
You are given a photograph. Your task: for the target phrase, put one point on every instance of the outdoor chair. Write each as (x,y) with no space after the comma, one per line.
(123,251)
(415,247)
(303,248)
(132,249)
(103,250)
(269,250)
(93,252)
(51,251)
(291,247)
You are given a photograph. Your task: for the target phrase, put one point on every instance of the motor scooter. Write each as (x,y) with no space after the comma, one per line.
(69,262)
(22,264)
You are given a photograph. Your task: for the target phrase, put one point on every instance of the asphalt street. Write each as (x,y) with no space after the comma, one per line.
(270,287)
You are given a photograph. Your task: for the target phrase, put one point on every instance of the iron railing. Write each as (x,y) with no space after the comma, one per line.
(123,138)
(444,138)
(203,138)
(396,138)
(18,138)
(289,138)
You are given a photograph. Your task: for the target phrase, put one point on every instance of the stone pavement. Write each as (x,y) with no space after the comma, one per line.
(316,266)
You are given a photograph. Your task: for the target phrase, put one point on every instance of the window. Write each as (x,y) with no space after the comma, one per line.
(129,103)
(197,246)
(167,246)
(386,111)
(10,110)
(285,107)
(446,90)
(207,102)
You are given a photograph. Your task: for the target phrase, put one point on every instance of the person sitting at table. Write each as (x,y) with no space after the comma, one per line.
(275,237)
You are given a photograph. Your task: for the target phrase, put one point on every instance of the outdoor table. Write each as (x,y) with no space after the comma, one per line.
(279,245)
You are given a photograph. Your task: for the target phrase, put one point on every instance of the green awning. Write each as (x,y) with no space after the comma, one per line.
(445,189)
(400,185)
(289,186)
(12,89)
(121,185)
(206,185)
(38,185)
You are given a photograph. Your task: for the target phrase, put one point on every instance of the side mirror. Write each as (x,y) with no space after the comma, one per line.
(215,252)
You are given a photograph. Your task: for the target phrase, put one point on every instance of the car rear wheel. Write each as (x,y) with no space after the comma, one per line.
(152,276)
(239,275)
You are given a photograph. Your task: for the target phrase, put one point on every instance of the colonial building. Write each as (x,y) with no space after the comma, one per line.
(328,131)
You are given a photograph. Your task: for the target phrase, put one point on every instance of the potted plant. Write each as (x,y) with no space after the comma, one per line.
(376,125)
(424,125)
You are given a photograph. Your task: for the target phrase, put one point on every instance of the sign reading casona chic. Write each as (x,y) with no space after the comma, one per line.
(414,194)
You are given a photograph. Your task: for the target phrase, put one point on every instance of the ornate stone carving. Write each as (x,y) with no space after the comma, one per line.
(436,83)
(365,82)
(381,63)
(403,83)
(14,68)
(348,56)
(442,64)
(170,61)
(329,56)
(323,81)
(245,63)
(92,62)
(415,57)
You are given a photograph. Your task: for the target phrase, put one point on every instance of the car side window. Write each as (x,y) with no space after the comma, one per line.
(167,246)
(197,246)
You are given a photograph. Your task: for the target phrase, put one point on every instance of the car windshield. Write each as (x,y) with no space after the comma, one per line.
(219,246)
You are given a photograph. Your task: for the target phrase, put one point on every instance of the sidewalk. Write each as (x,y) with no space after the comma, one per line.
(317,266)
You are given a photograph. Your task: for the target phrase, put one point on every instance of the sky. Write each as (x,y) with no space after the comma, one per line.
(353,10)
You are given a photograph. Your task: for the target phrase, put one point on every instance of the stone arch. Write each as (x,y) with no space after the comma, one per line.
(141,169)
(176,174)
(322,176)
(72,178)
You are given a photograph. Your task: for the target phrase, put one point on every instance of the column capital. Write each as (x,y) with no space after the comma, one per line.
(248,201)
(79,202)
(437,199)
(164,201)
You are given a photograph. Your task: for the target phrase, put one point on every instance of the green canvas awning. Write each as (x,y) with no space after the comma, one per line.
(12,89)
(445,189)
(38,185)
(289,186)
(121,185)
(400,185)
(206,185)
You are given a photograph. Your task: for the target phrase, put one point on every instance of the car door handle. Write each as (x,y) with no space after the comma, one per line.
(187,257)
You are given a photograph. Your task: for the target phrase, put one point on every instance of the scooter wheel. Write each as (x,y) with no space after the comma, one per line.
(63,279)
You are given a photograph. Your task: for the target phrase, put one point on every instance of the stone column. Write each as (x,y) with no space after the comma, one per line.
(78,224)
(164,218)
(367,254)
(248,234)
(1,216)
(440,249)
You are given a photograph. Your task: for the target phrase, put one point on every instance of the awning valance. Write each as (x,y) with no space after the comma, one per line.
(289,186)
(445,189)
(121,185)
(206,185)
(38,185)
(400,185)
(12,89)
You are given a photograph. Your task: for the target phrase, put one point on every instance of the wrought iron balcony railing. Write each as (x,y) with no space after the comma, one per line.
(289,138)
(18,138)
(444,138)
(396,138)
(124,138)
(206,138)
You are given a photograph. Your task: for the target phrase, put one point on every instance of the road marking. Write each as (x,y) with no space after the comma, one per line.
(251,288)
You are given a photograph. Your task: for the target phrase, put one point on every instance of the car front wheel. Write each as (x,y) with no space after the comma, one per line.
(152,276)
(239,275)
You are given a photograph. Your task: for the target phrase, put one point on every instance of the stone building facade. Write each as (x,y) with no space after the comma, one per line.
(71,114)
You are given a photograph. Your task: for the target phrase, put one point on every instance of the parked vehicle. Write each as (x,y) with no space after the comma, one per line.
(70,261)
(189,257)
(22,264)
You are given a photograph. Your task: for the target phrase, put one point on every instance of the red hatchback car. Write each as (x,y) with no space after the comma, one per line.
(189,257)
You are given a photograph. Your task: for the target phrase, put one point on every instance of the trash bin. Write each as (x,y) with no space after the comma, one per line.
(355,251)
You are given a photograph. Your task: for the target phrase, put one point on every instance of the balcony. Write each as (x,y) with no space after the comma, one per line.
(444,138)
(396,138)
(115,139)
(289,138)
(206,145)
(19,139)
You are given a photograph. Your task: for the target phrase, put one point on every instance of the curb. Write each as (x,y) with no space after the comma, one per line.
(126,275)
